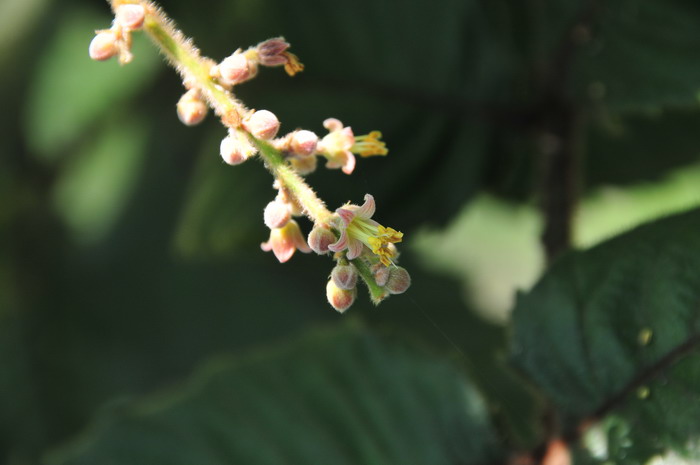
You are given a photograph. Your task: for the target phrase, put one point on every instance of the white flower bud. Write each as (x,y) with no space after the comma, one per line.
(381,274)
(236,148)
(235,69)
(276,214)
(130,16)
(191,109)
(303,143)
(344,276)
(104,46)
(262,124)
(399,281)
(340,299)
(320,238)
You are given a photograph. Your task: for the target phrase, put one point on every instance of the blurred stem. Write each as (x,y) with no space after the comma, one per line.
(195,72)
(560,161)
(560,139)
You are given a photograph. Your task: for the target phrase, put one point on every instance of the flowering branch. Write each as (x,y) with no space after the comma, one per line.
(360,245)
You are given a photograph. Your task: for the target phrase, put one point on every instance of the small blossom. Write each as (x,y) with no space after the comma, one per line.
(358,230)
(262,124)
(340,299)
(104,45)
(236,148)
(320,238)
(276,214)
(336,145)
(369,145)
(285,241)
(344,276)
(399,281)
(303,143)
(191,109)
(130,16)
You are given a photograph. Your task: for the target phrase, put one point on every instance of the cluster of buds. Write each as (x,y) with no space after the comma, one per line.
(116,41)
(303,147)
(361,247)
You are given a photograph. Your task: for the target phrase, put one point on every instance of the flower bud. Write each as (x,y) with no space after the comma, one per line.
(130,16)
(399,281)
(344,276)
(320,238)
(381,274)
(236,69)
(276,214)
(104,46)
(271,52)
(303,143)
(262,124)
(340,299)
(236,148)
(191,109)
(304,166)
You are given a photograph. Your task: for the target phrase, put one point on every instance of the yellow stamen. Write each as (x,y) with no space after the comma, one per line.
(369,145)
(293,65)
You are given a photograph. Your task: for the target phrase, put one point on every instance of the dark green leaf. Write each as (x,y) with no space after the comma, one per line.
(341,397)
(615,331)
(641,54)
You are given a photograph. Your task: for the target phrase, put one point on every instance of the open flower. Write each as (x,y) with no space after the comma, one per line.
(359,230)
(285,241)
(336,145)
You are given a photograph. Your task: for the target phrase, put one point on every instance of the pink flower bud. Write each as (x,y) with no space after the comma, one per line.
(381,274)
(130,16)
(104,46)
(340,299)
(399,281)
(344,276)
(262,124)
(236,148)
(276,214)
(191,109)
(235,69)
(320,238)
(304,143)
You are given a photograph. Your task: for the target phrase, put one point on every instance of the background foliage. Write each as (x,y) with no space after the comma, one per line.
(130,262)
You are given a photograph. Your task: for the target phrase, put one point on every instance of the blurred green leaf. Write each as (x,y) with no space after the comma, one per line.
(615,330)
(340,396)
(17,18)
(95,185)
(70,92)
(224,205)
(640,55)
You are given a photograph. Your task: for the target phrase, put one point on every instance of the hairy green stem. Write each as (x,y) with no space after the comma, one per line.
(313,207)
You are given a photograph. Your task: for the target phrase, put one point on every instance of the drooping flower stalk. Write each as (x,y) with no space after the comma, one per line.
(362,247)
